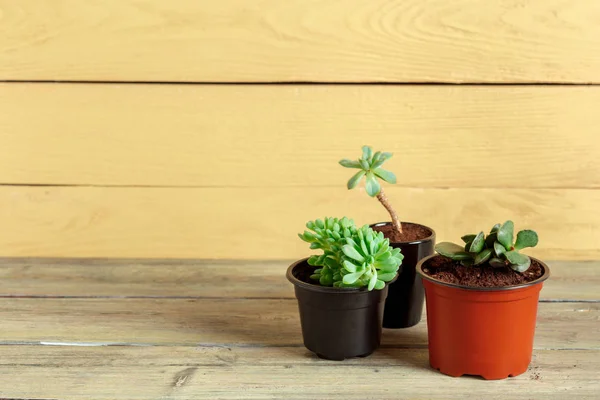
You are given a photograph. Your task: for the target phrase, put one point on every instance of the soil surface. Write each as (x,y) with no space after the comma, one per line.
(449,271)
(410,233)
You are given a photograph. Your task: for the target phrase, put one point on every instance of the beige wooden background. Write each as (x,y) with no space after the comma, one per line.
(212,129)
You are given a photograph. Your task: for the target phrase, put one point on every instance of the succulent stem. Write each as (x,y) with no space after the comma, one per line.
(385,202)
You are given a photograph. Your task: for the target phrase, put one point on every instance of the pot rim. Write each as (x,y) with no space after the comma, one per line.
(423,275)
(418,241)
(324,289)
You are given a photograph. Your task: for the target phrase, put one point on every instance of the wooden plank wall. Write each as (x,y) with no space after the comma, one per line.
(200,129)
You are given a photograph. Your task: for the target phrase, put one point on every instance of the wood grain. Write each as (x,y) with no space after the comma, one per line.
(245,373)
(251,223)
(232,322)
(294,135)
(232,279)
(297,40)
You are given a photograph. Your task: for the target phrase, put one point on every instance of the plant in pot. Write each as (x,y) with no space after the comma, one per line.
(482,303)
(404,304)
(341,292)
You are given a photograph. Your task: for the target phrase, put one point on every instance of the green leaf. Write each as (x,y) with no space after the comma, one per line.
(468,238)
(515,258)
(353,277)
(379,285)
(364,164)
(448,249)
(373,187)
(499,249)
(495,228)
(386,156)
(355,180)
(468,245)
(313,260)
(387,176)
(490,239)
(482,257)
(506,234)
(372,282)
(315,277)
(351,252)
(319,224)
(478,243)
(388,276)
(522,267)
(526,238)
(350,267)
(350,163)
(315,245)
(326,280)
(367,153)
(496,262)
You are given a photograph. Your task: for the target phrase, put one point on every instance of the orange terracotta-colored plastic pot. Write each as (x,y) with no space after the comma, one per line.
(481,331)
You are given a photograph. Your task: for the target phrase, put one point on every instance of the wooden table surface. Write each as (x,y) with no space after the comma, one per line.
(155,329)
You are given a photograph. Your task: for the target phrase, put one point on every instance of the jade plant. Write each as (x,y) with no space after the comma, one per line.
(369,165)
(498,249)
(352,257)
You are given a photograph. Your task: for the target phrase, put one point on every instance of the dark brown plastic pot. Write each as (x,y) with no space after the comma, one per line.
(404,304)
(337,323)
(481,331)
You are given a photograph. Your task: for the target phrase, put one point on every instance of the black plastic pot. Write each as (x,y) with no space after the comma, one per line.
(404,304)
(337,323)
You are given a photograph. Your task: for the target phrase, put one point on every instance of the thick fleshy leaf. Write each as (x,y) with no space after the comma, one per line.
(351,252)
(482,257)
(495,228)
(372,186)
(468,245)
(319,223)
(490,239)
(386,277)
(355,180)
(497,262)
(386,156)
(506,234)
(313,261)
(367,153)
(379,284)
(389,262)
(468,238)
(448,249)
(353,277)
(526,238)
(372,282)
(326,280)
(522,267)
(350,163)
(499,249)
(478,243)
(387,176)
(349,266)
(515,258)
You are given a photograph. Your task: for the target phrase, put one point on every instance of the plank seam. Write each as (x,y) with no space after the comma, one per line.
(137,297)
(346,83)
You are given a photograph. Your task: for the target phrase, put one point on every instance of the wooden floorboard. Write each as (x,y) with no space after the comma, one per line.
(235,322)
(570,280)
(274,373)
(173,329)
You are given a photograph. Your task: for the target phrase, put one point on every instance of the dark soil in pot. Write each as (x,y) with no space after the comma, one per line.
(449,271)
(337,323)
(404,304)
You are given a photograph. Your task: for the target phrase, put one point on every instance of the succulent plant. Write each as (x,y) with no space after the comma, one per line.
(498,249)
(369,165)
(352,257)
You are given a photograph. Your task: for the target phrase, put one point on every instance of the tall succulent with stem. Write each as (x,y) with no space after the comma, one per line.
(498,248)
(369,165)
(352,257)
